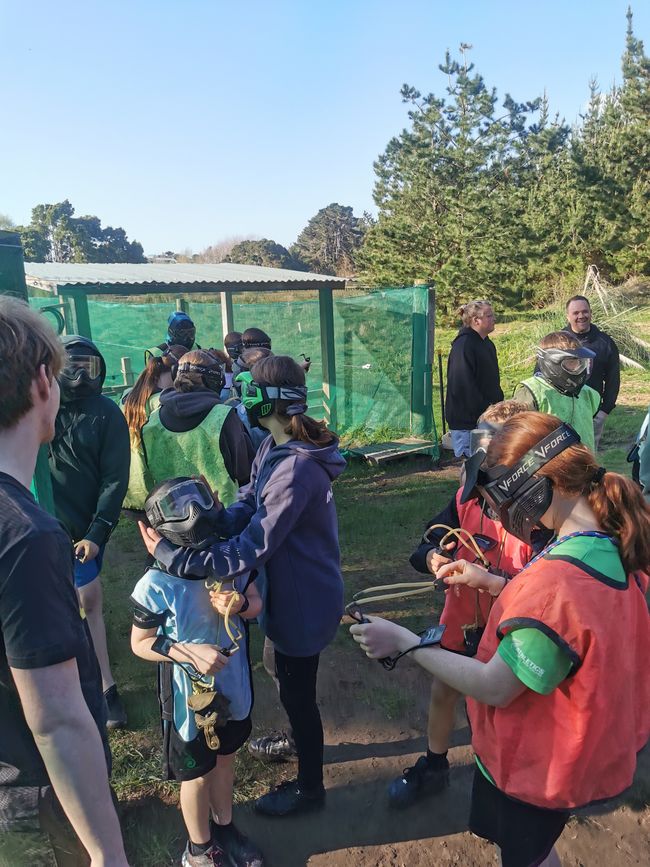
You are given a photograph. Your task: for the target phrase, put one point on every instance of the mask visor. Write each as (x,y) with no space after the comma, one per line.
(74,365)
(177,502)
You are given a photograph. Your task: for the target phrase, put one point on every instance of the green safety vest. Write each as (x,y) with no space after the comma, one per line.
(577,411)
(194,452)
(140,481)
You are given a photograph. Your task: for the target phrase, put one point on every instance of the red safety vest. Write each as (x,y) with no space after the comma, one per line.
(469,606)
(579,743)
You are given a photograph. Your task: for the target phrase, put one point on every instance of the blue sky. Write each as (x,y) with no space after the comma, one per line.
(187,121)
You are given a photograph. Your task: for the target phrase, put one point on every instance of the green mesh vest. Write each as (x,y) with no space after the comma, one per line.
(577,411)
(140,482)
(191,453)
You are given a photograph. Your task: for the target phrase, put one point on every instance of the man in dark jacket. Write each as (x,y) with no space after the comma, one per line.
(89,466)
(472,374)
(605,377)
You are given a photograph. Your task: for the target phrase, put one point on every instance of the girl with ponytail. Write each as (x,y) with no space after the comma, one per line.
(558,695)
(283,525)
(137,405)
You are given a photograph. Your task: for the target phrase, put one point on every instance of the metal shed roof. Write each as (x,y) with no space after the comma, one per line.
(171,277)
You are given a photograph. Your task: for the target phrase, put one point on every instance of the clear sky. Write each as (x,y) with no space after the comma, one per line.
(187,121)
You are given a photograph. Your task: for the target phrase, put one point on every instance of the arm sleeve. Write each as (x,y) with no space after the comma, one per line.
(39,611)
(237,449)
(535,659)
(612,378)
(115,458)
(282,504)
(524,395)
(644,466)
(449,515)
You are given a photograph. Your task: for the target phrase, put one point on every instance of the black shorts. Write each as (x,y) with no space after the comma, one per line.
(524,833)
(183,760)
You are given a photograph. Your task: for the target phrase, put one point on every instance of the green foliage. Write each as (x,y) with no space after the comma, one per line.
(330,240)
(56,235)
(263,252)
(507,201)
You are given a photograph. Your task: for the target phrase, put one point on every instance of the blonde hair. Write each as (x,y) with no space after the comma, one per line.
(473,308)
(498,413)
(27,340)
(559,340)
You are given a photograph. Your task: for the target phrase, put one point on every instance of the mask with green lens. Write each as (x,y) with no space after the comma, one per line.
(260,400)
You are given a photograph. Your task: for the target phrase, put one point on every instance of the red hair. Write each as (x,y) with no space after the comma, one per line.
(617,503)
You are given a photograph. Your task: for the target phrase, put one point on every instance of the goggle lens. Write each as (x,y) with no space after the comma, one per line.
(90,363)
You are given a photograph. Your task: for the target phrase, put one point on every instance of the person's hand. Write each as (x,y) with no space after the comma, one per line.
(380,638)
(150,537)
(435,559)
(601,415)
(85,551)
(220,600)
(206,658)
(471,575)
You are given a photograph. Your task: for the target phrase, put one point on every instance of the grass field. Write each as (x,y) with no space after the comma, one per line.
(381,514)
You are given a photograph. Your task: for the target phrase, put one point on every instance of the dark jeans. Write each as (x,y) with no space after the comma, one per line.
(297,678)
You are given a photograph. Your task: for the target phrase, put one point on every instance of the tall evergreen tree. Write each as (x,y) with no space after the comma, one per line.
(329,242)
(263,252)
(444,189)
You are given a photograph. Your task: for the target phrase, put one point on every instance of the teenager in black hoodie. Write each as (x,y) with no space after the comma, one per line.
(472,374)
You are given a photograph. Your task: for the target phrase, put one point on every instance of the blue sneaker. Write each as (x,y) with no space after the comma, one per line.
(417,782)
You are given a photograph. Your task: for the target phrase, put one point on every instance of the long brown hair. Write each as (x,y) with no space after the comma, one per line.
(616,501)
(135,403)
(282,370)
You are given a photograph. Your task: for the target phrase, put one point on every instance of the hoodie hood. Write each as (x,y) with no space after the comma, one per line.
(329,457)
(80,386)
(184,410)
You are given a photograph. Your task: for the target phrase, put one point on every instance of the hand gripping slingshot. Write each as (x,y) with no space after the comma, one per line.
(406,589)
(211,708)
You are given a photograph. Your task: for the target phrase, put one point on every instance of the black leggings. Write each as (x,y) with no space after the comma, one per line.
(297,678)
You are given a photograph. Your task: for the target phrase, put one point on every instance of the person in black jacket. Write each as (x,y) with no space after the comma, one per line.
(605,377)
(472,374)
(89,466)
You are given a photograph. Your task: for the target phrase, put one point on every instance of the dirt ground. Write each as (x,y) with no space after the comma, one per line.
(373,729)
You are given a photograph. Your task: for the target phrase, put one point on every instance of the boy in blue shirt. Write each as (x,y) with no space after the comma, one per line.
(175,622)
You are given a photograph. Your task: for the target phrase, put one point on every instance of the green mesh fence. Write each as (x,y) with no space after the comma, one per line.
(374,335)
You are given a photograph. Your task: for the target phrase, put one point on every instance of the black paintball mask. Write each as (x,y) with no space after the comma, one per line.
(212,375)
(260,400)
(183,511)
(84,371)
(180,330)
(517,496)
(566,369)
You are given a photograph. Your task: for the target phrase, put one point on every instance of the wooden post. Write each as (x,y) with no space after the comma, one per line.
(227,316)
(128,377)
(181,305)
(76,315)
(421,360)
(326,310)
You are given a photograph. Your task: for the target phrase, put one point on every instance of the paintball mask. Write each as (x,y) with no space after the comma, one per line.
(260,400)
(183,511)
(212,375)
(84,371)
(566,369)
(515,494)
(180,330)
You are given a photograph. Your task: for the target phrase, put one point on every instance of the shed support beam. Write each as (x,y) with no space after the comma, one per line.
(421,361)
(326,310)
(76,315)
(227,315)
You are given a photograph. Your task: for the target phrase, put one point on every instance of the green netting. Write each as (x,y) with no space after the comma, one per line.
(373,345)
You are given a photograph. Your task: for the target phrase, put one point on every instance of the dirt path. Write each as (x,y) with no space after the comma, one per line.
(374,722)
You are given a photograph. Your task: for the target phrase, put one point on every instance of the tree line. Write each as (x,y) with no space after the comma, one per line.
(478,195)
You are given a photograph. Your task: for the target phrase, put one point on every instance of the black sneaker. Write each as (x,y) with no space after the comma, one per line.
(237,848)
(276,747)
(115,713)
(288,799)
(416,783)
(212,857)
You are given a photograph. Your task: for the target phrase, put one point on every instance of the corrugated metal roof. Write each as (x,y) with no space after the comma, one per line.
(49,275)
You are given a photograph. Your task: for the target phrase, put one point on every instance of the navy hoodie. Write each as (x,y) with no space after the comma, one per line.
(284,525)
